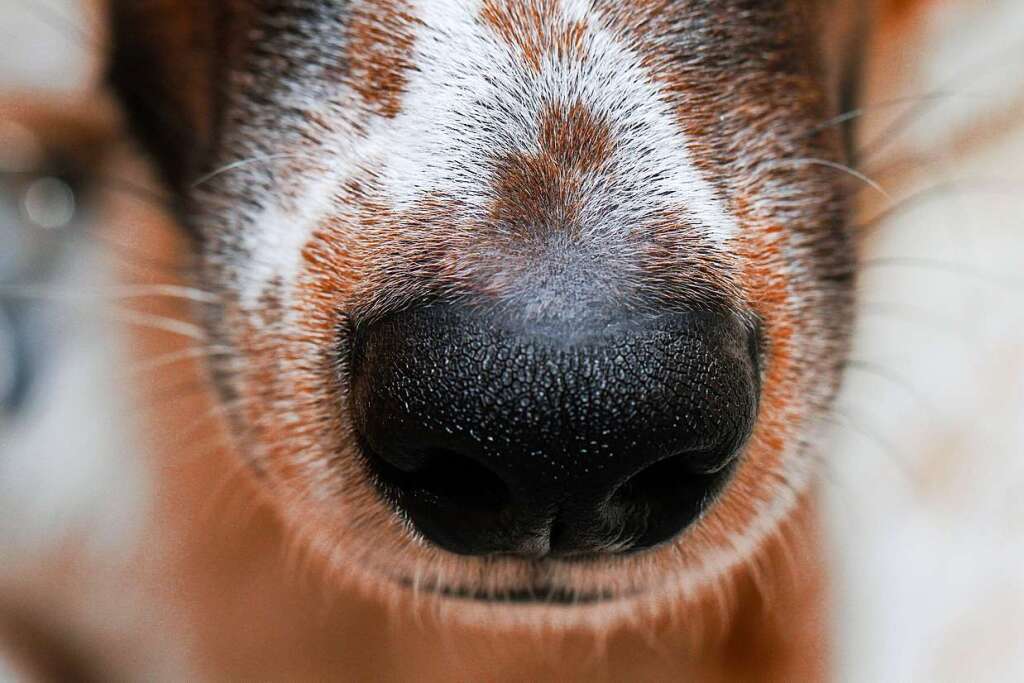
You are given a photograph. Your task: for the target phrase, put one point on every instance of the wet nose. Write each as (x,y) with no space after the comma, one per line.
(497,436)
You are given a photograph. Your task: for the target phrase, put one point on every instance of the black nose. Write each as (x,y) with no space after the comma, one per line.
(501,437)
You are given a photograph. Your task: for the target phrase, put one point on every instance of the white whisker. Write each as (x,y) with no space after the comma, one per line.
(970,186)
(882,372)
(157,322)
(241,163)
(854,173)
(915,314)
(174,357)
(948,267)
(883,105)
(110,294)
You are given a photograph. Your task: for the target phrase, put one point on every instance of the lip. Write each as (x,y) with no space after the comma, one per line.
(536,595)
(540,594)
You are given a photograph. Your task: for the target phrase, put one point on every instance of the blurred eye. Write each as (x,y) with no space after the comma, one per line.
(49,203)
(41,201)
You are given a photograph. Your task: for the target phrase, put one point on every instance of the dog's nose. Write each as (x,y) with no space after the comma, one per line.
(496,436)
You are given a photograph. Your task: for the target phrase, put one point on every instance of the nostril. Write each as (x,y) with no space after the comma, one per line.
(444,476)
(442,493)
(662,499)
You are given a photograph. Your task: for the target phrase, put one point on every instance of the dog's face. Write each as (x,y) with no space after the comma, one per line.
(540,300)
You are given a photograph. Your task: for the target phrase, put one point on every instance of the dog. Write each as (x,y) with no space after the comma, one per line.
(520,325)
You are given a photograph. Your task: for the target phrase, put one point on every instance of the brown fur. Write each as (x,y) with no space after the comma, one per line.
(535,29)
(378,55)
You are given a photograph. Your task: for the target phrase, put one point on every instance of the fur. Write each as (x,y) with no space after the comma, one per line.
(335,161)
(458,150)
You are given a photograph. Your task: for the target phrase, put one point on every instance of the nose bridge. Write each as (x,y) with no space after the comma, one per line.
(508,145)
(549,184)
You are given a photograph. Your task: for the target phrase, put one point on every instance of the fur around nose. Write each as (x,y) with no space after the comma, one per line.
(493,435)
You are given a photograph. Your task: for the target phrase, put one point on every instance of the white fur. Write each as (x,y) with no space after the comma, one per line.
(473,98)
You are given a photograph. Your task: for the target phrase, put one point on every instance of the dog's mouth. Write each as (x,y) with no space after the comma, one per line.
(537,595)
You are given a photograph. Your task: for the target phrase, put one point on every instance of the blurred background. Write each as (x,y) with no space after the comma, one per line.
(924,467)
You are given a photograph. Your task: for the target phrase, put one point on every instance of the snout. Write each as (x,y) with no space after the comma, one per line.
(493,435)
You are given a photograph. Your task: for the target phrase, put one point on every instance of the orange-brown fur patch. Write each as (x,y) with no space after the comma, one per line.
(711,95)
(535,28)
(541,192)
(381,38)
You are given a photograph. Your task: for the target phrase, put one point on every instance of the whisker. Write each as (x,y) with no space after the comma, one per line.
(878,370)
(914,314)
(174,357)
(884,446)
(119,183)
(219,501)
(858,112)
(939,266)
(165,291)
(892,132)
(124,293)
(158,322)
(235,165)
(131,257)
(852,172)
(221,410)
(994,187)
(163,397)
(115,312)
